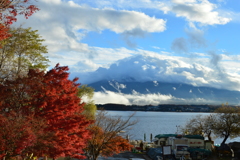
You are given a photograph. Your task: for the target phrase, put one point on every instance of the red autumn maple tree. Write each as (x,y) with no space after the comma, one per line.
(53,97)
(9,9)
(16,135)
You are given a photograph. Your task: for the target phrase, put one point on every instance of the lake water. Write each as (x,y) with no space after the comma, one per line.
(159,123)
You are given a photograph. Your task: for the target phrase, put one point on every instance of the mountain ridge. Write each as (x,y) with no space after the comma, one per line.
(177,90)
(148,67)
(153,78)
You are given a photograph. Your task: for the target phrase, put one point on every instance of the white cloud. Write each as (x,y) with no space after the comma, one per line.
(183,1)
(172,69)
(99,57)
(110,55)
(63,25)
(62,20)
(84,66)
(130,4)
(144,99)
(109,97)
(201,11)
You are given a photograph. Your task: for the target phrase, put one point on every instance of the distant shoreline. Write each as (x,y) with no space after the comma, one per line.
(160,108)
(155,111)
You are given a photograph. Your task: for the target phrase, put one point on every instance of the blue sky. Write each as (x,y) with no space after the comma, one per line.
(88,30)
(86,35)
(219,36)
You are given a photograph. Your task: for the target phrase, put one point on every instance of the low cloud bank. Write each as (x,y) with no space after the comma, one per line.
(145,99)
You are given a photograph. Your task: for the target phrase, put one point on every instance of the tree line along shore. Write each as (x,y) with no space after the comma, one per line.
(160,108)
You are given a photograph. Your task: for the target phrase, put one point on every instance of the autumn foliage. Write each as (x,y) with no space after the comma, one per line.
(9,9)
(106,138)
(106,143)
(40,113)
(16,134)
(52,98)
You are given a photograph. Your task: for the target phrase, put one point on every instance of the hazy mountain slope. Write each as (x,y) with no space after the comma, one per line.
(184,91)
(178,79)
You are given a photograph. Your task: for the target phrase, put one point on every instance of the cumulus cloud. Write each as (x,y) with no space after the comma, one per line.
(150,66)
(99,19)
(67,23)
(168,69)
(64,20)
(103,57)
(64,24)
(84,66)
(231,67)
(201,11)
(110,97)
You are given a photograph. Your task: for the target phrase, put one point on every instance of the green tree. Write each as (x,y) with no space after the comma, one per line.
(21,52)
(194,126)
(208,126)
(227,122)
(199,125)
(85,92)
(224,123)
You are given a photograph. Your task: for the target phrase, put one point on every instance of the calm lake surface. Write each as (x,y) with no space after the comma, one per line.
(159,123)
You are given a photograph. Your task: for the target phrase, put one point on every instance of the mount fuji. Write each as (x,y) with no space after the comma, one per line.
(160,79)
